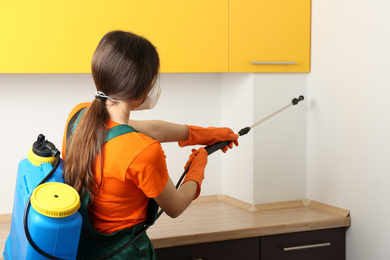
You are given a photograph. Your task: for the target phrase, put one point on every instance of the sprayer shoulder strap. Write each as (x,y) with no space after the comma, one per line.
(111,133)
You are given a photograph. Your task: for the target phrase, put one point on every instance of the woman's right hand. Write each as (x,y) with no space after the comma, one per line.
(200,161)
(173,201)
(197,163)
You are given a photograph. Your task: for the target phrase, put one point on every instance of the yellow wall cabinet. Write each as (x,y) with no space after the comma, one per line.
(191,36)
(60,36)
(269,35)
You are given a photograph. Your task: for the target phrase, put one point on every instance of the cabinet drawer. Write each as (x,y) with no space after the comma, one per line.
(320,245)
(247,249)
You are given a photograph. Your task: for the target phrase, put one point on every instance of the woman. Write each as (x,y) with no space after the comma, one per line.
(121,177)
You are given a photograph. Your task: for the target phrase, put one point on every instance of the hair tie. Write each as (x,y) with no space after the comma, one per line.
(103,97)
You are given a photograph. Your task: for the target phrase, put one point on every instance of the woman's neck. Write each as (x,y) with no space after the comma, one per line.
(120,111)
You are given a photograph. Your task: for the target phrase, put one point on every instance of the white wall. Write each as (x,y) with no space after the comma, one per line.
(280,142)
(348,119)
(237,113)
(270,163)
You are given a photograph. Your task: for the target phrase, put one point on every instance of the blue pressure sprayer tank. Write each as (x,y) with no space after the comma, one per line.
(53,220)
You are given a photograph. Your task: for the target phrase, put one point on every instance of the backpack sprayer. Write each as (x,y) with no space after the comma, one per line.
(52,224)
(63,244)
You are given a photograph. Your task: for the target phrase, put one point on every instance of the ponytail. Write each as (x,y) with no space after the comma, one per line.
(124,67)
(84,147)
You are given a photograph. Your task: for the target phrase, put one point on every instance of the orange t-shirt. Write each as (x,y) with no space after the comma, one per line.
(134,171)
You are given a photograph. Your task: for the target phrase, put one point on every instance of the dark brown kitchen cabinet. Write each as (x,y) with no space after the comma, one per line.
(319,245)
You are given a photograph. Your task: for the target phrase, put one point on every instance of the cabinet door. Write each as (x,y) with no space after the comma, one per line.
(247,249)
(60,36)
(319,245)
(267,33)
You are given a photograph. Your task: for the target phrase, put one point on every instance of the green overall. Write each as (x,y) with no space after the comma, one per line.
(96,245)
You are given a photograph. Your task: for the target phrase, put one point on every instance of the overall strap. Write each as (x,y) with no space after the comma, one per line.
(73,122)
(119,130)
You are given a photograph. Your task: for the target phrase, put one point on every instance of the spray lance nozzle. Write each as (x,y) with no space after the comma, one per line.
(296,100)
(215,147)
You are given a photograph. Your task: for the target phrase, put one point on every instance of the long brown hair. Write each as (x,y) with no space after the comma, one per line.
(124,67)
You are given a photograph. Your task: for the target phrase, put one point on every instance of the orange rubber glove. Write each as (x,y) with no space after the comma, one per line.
(198,161)
(210,136)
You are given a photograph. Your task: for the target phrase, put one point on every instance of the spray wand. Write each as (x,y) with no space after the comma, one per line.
(215,147)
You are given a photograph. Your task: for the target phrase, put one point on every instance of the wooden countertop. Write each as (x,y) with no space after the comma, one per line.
(5,225)
(218,220)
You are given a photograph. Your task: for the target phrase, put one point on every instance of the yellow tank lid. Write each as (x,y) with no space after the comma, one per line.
(55,200)
(38,160)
